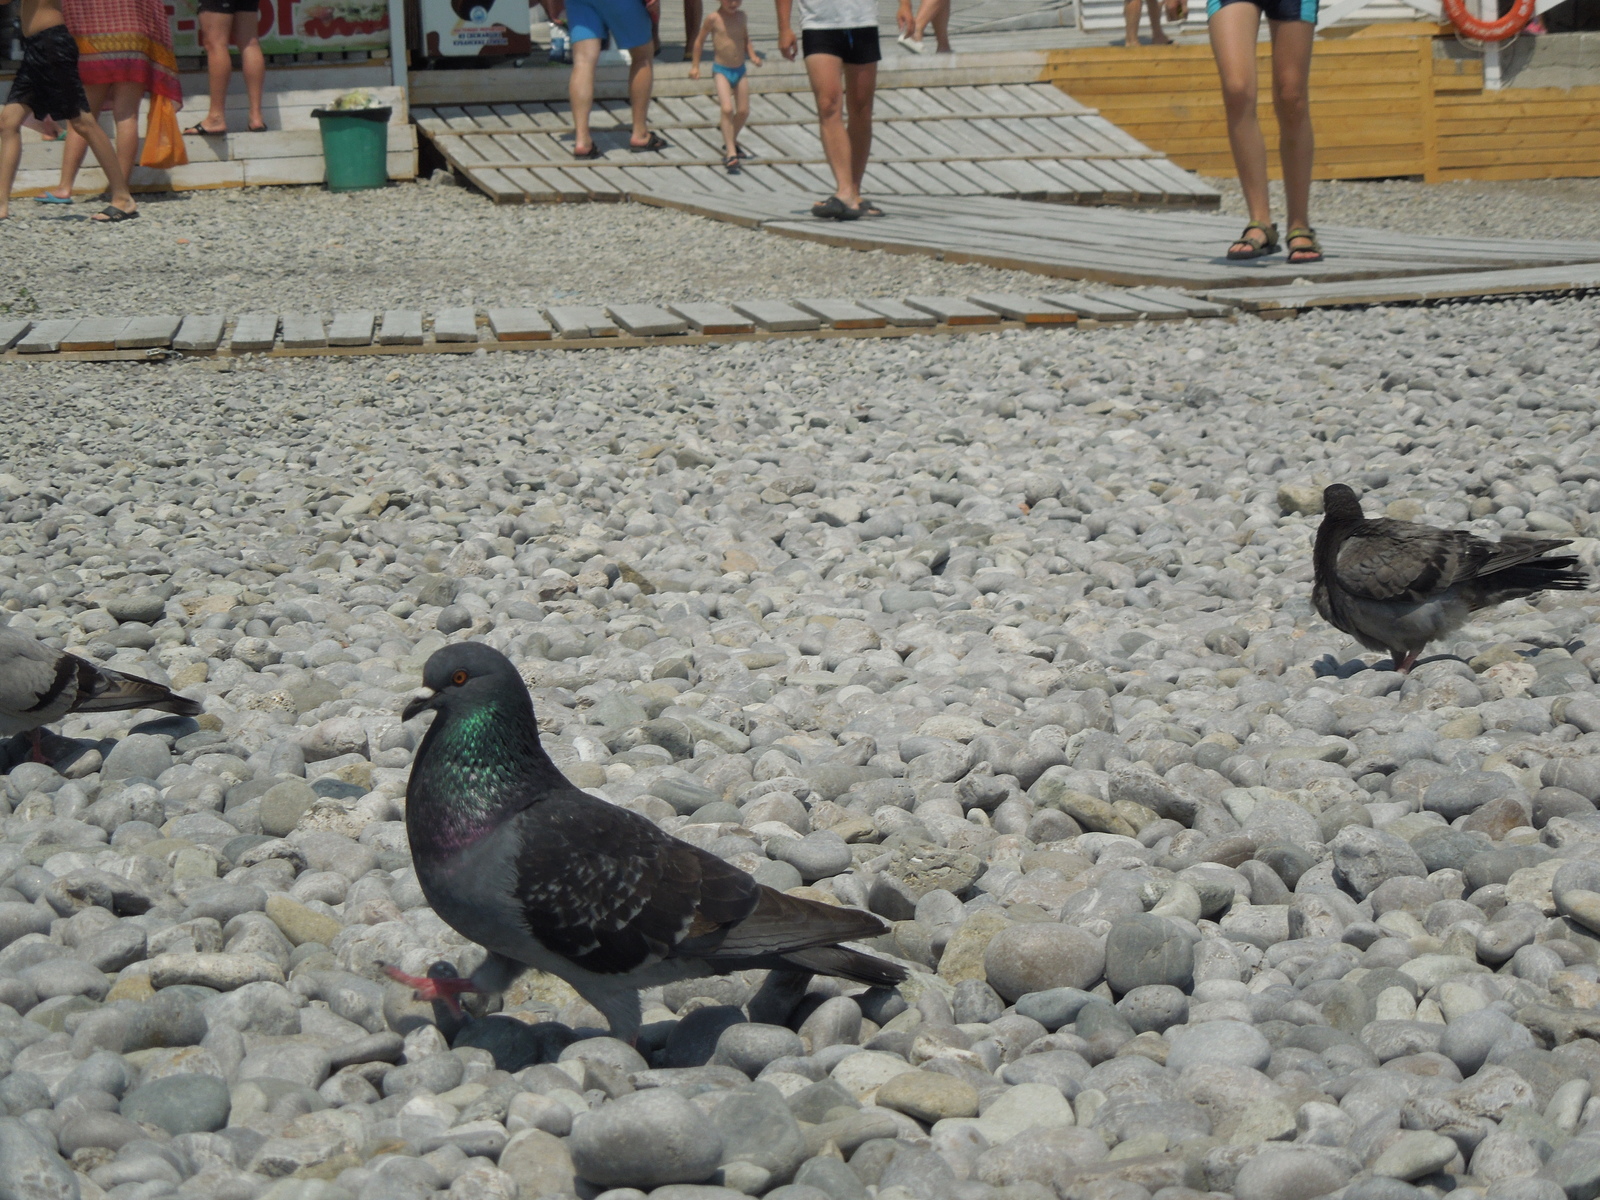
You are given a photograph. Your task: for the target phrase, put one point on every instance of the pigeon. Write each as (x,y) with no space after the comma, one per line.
(39,685)
(516,858)
(1396,585)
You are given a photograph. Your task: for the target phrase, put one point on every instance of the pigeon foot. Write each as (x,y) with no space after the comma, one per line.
(37,754)
(427,988)
(1404,662)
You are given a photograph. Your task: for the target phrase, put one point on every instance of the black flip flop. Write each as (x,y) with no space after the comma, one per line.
(112,215)
(199,130)
(868,209)
(731,164)
(592,152)
(834,209)
(656,142)
(257,128)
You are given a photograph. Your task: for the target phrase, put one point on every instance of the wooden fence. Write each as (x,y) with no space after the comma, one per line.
(1381,102)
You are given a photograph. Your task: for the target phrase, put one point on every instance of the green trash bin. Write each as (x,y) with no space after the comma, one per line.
(355,147)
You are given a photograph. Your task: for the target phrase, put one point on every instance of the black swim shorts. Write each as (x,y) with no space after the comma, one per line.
(47,81)
(854,46)
(230,6)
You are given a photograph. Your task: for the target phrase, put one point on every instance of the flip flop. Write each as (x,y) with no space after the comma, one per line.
(112,215)
(868,209)
(200,130)
(52,198)
(592,152)
(257,128)
(656,143)
(731,164)
(741,151)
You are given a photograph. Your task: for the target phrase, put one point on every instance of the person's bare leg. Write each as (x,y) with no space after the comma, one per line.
(641,77)
(691,25)
(826,72)
(1291,67)
(74,148)
(1157,36)
(1233,44)
(941,25)
(252,62)
(727,102)
(860,86)
(741,110)
(215,30)
(106,155)
(580,91)
(125,97)
(1130,22)
(11,117)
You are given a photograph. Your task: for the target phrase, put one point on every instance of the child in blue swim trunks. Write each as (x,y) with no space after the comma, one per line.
(731,48)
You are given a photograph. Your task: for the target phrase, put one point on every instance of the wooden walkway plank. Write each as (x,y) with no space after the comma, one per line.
(94,333)
(712,318)
(455,325)
(900,314)
(400,327)
(1023,308)
(199,332)
(303,331)
(581,321)
(952,311)
(777,317)
(254,333)
(352,328)
(842,314)
(44,337)
(11,332)
(1194,307)
(518,325)
(141,333)
(646,320)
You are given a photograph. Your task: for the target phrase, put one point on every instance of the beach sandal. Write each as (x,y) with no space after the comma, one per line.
(868,209)
(656,143)
(731,164)
(1300,255)
(741,151)
(112,215)
(199,130)
(592,152)
(834,209)
(1269,244)
(261,128)
(52,198)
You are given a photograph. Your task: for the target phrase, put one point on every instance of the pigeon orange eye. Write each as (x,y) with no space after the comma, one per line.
(458,678)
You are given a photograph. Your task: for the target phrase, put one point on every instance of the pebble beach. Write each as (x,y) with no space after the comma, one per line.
(1005,637)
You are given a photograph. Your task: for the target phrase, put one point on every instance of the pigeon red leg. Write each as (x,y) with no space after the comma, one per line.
(427,988)
(1404,662)
(36,737)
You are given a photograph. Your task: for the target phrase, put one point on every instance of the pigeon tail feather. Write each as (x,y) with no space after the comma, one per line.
(850,964)
(125,691)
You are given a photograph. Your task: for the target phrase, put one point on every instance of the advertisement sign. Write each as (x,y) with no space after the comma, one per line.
(296,26)
(474,28)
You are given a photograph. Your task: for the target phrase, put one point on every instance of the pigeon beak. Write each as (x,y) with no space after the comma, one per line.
(419,704)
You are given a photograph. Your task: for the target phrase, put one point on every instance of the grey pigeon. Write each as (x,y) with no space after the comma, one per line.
(514,857)
(39,685)
(1396,585)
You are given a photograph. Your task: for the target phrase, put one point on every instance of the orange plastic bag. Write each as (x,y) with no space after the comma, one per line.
(163,143)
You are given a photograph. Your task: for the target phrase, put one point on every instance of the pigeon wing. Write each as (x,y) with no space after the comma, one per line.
(604,887)
(1399,560)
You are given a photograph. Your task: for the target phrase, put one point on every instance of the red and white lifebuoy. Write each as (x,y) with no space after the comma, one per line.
(1478,29)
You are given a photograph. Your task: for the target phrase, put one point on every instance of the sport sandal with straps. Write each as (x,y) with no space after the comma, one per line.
(1269,245)
(1301,255)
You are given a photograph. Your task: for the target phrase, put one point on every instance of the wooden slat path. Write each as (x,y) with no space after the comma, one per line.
(1021,140)
(1132,248)
(1582,277)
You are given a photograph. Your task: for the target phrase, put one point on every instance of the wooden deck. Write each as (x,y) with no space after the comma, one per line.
(1174,249)
(1566,280)
(1017,140)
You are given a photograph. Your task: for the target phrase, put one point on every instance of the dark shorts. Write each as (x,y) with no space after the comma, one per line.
(47,81)
(854,46)
(1273,10)
(230,6)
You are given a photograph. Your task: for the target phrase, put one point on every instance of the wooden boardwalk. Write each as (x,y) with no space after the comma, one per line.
(1174,249)
(1018,140)
(1565,280)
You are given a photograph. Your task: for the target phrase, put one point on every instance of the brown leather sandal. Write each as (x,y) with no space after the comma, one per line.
(1269,244)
